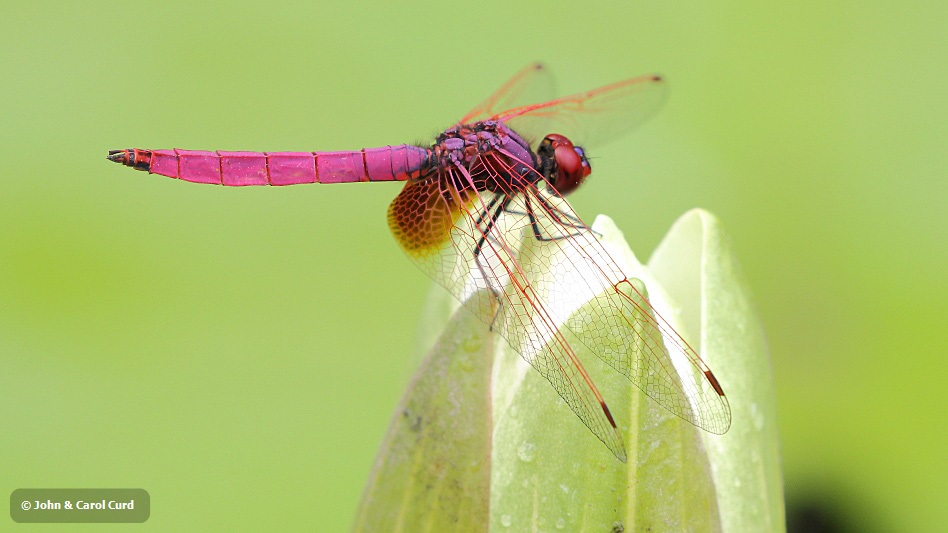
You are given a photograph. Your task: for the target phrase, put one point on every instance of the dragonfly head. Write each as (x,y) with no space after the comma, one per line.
(565,165)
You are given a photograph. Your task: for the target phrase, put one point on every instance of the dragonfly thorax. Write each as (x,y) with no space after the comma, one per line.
(486,156)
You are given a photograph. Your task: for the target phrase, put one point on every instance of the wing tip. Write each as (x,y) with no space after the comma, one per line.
(618,447)
(714,382)
(721,421)
(605,409)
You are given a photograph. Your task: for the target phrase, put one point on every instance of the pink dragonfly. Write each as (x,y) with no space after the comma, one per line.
(483,213)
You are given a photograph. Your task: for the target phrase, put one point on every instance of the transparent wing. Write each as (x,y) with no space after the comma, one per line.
(582,288)
(533,83)
(464,242)
(593,117)
(610,313)
(522,261)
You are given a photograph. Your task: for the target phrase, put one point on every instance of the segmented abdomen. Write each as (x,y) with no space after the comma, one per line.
(388,163)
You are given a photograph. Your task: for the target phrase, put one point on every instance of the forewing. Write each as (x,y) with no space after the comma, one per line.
(532,84)
(494,285)
(593,117)
(610,314)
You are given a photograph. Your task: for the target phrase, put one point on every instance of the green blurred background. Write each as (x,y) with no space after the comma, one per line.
(238,352)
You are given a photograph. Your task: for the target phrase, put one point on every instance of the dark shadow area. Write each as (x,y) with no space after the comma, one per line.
(816,506)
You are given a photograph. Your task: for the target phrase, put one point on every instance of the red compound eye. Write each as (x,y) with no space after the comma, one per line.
(571,164)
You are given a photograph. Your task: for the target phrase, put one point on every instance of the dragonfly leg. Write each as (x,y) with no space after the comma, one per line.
(484,213)
(570,221)
(485,235)
(538,233)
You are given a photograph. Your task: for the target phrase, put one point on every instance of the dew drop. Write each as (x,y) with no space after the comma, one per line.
(526,451)
(561,523)
(505,520)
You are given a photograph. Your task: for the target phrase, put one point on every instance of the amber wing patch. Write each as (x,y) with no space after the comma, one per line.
(422,216)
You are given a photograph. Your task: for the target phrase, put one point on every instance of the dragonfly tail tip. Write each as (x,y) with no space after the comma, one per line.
(117,156)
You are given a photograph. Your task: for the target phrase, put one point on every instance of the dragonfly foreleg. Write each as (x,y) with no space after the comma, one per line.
(570,220)
(535,226)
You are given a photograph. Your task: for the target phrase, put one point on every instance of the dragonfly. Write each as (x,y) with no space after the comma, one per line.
(483,212)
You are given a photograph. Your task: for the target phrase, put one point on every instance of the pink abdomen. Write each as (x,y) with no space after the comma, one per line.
(389,163)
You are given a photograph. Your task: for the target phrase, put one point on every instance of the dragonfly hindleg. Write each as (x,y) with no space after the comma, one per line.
(486,236)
